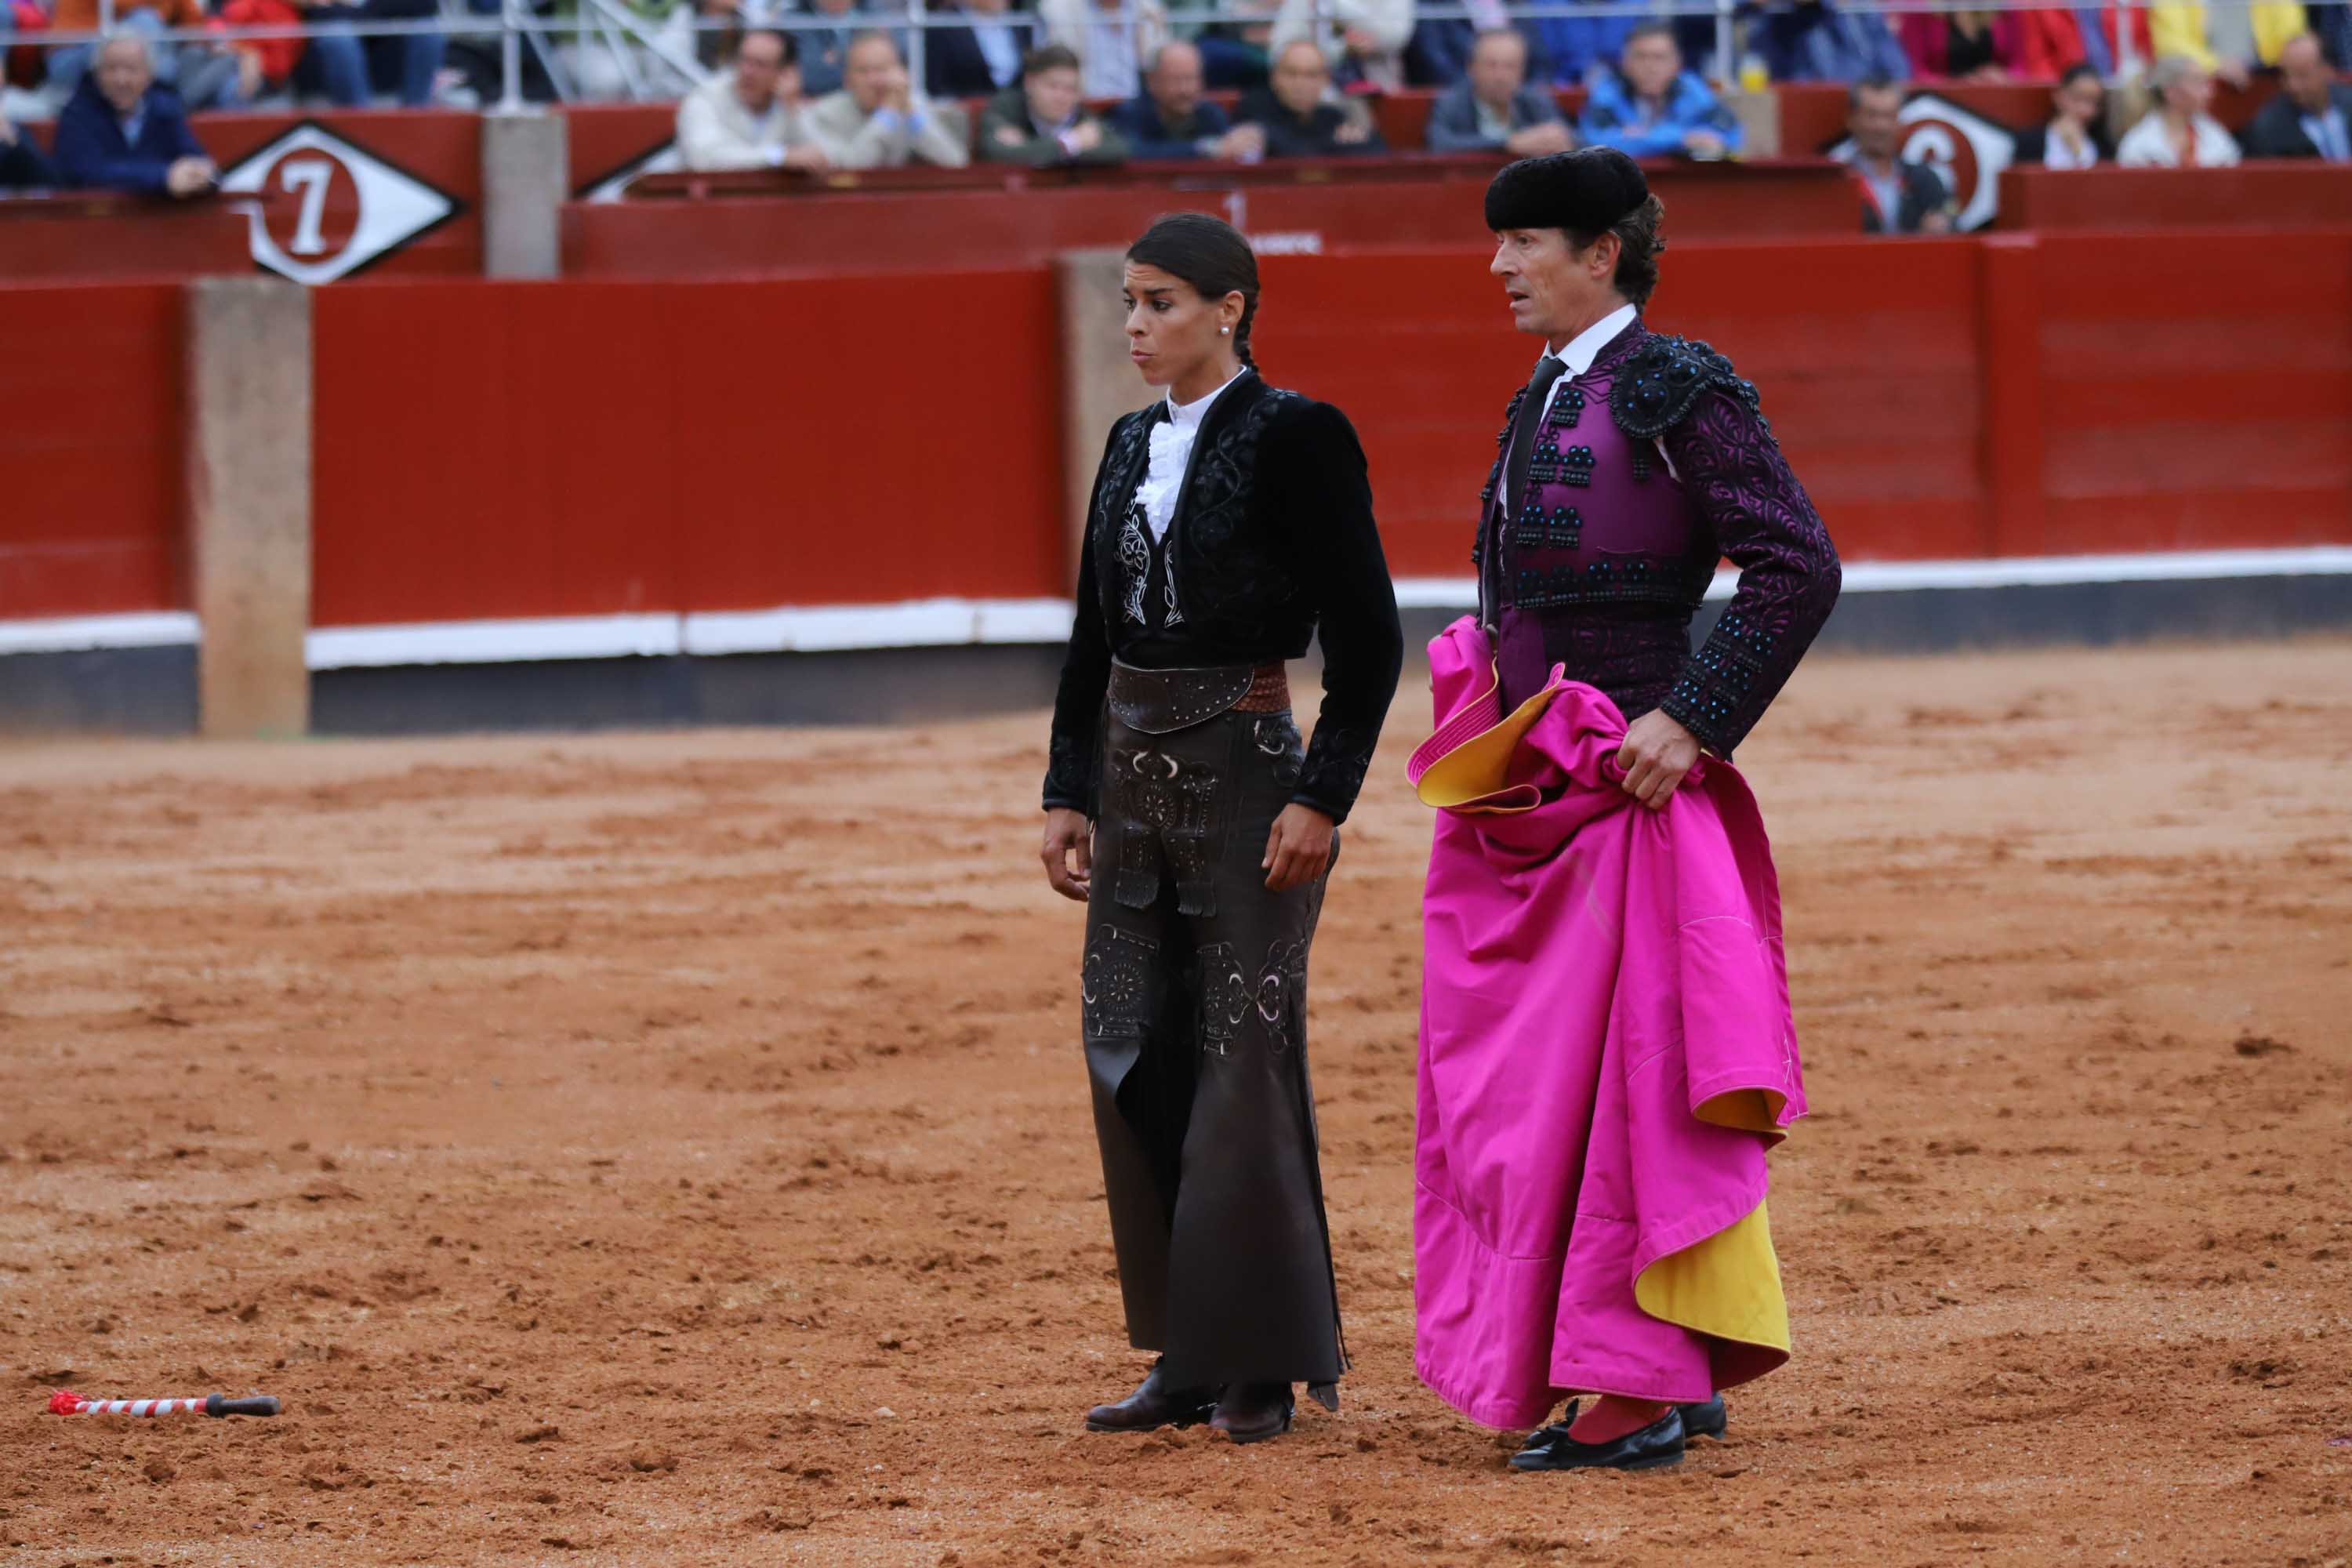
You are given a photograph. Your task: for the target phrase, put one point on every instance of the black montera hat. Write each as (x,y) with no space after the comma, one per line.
(1584,192)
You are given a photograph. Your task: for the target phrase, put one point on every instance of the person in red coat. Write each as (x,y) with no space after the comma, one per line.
(1967,46)
(276,57)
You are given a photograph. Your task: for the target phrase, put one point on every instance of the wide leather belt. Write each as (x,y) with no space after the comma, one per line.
(1162,702)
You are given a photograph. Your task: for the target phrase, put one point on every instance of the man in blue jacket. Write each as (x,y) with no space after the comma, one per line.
(1648,107)
(120,131)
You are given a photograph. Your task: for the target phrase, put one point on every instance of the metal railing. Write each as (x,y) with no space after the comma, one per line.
(631,42)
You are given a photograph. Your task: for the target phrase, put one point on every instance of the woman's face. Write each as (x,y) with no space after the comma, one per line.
(2080,100)
(2189,94)
(1170,330)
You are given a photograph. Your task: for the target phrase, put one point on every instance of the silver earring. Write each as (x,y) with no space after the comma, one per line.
(1222,331)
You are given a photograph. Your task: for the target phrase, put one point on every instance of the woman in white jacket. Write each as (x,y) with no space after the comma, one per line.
(2177,134)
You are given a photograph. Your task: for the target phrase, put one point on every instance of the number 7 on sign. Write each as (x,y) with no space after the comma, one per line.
(311,176)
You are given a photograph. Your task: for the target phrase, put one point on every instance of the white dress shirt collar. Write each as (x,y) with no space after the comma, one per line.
(1188,415)
(1578,353)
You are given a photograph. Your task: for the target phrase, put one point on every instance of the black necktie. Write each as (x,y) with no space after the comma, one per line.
(1515,463)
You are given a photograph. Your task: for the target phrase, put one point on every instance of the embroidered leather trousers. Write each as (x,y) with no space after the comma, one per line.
(1194,1004)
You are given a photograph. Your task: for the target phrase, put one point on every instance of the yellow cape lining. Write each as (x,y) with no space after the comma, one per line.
(1728,1286)
(1747,1110)
(1480,766)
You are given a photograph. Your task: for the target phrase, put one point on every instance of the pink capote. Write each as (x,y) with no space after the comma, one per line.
(1595,971)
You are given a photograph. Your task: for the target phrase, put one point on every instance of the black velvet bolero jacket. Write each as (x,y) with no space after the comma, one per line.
(1273,541)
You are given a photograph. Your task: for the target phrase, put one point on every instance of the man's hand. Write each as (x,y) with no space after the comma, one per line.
(1937,222)
(1069,837)
(1243,143)
(1354,130)
(1552,136)
(187,176)
(1704,144)
(1087,137)
(1657,753)
(1299,850)
(1006,136)
(809,156)
(7,131)
(900,92)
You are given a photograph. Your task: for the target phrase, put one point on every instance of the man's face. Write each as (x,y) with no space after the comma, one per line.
(1650,65)
(990,6)
(1300,76)
(2305,73)
(835,7)
(872,73)
(1874,122)
(1053,94)
(2080,99)
(1499,67)
(1550,283)
(123,74)
(1175,83)
(759,70)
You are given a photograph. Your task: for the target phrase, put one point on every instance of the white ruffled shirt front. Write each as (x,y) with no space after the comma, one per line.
(1171,451)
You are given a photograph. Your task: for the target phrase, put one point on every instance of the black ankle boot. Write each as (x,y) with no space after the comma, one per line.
(1253,1411)
(1153,1406)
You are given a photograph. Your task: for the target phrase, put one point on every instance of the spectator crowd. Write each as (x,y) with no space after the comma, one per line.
(826,84)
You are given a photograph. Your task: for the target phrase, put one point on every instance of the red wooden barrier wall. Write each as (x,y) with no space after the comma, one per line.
(2272,193)
(505,449)
(2195,395)
(91,397)
(489,449)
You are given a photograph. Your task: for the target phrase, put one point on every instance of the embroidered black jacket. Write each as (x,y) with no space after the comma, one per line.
(1619,620)
(1272,541)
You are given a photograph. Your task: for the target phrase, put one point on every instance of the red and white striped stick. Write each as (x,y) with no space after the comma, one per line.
(66,1402)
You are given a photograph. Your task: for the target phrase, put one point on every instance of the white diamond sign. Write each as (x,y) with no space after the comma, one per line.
(333,207)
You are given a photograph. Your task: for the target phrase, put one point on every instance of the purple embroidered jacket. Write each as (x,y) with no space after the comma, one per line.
(1606,558)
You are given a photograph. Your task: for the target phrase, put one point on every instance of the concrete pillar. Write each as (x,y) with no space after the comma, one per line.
(526,175)
(248,487)
(1759,114)
(1098,381)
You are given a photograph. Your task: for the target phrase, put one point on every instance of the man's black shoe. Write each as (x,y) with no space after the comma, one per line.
(1153,1406)
(1253,1411)
(1654,1447)
(1542,1436)
(1707,1420)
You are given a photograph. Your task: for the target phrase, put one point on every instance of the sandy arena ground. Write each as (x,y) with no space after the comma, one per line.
(673,1150)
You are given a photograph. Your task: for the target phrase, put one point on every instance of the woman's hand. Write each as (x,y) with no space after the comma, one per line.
(1299,850)
(1657,753)
(1069,837)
